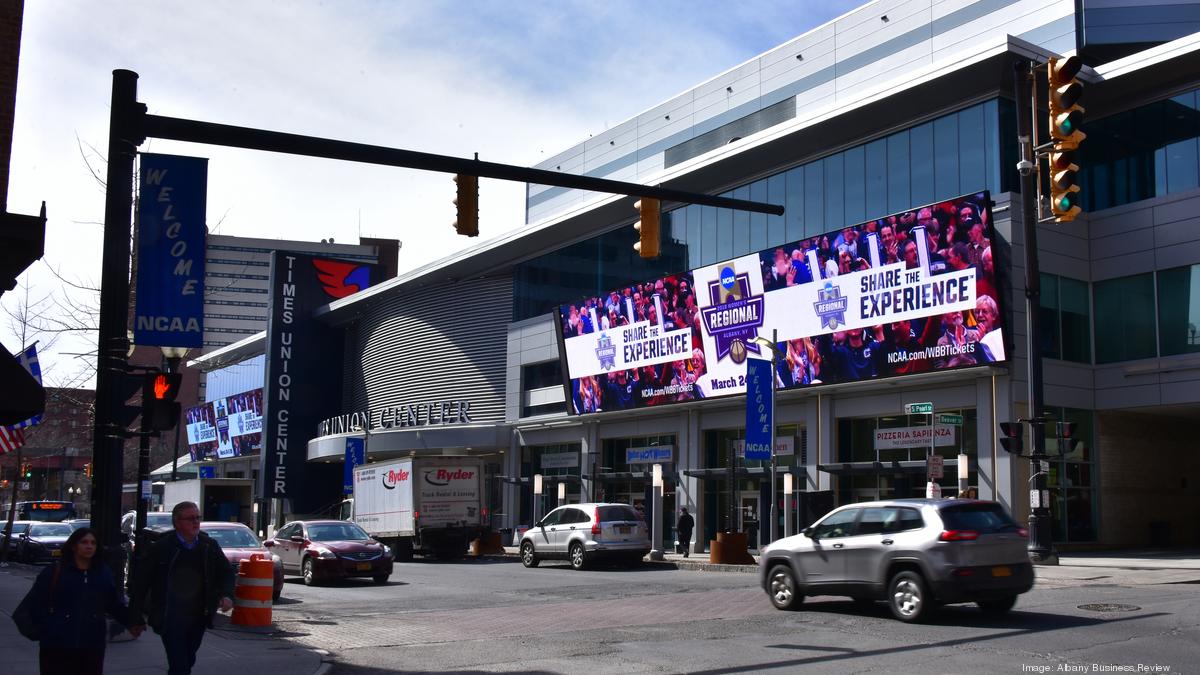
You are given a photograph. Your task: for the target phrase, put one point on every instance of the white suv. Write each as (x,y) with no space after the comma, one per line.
(581,533)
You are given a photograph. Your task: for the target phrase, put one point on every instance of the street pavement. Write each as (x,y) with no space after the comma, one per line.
(298,642)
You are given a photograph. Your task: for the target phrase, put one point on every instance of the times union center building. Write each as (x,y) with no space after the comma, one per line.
(888,300)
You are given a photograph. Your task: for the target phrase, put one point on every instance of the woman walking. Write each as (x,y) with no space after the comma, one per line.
(75,594)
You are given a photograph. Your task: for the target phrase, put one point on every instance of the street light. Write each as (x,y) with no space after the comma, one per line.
(787,504)
(963,468)
(562,492)
(776,356)
(537,497)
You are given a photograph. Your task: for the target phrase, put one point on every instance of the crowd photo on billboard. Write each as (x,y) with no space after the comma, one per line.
(226,427)
(908,293)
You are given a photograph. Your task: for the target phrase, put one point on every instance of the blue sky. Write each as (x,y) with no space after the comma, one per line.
(513,81)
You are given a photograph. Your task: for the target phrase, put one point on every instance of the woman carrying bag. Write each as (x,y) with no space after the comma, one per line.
(69,604)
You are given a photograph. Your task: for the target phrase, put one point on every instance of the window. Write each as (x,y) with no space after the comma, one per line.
(1179,310)
(840,524)
(1127,329)
(1066,319)
(904,520)
(873,520)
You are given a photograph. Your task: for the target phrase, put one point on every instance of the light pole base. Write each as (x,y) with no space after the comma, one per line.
(656,554)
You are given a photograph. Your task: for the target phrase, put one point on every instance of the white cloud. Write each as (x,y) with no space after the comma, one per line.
(514,81)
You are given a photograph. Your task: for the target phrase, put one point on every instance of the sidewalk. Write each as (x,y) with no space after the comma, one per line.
(225,650)
(1121,568)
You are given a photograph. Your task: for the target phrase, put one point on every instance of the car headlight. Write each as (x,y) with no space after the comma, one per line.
(387,550)
(325,553)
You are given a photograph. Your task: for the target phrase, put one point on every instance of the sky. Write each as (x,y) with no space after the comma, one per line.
(515,82)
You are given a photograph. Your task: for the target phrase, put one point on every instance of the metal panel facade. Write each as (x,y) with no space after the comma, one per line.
(446,342)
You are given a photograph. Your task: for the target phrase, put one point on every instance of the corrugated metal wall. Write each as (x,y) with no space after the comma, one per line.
(445,342)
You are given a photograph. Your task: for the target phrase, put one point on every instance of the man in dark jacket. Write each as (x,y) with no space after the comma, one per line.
(179,583)
(683,527)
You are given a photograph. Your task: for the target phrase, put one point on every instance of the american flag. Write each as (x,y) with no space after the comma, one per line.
(13,437)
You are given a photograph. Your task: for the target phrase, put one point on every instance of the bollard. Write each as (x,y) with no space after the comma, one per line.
(252,593)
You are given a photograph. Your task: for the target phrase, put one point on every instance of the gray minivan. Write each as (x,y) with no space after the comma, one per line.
(581,533)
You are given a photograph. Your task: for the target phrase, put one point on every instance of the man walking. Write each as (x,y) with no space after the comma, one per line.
(684,529)
(179,582)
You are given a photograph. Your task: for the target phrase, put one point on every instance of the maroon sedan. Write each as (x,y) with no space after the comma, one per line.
(330,549)
(239,543)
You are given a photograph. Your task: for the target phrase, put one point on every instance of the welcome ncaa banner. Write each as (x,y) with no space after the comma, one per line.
(908,293)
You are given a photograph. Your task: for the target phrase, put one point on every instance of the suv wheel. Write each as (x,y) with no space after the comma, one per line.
(997,606)
(908,597)
(783,589)
(578,559)
(528,557)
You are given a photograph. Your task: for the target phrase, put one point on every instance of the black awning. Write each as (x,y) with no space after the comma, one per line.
(612,476)
(874,468)
(546,480)
(743,472)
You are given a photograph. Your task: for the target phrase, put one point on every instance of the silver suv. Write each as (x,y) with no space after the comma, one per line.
(581,533)
(914,553)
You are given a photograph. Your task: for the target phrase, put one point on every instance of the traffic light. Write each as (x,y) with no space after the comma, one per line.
(467,202)
(87,469)
(1064,190)
(1065,431)
(160,410)
(648,227)
(27,470)
(1012,437)
(1066,116)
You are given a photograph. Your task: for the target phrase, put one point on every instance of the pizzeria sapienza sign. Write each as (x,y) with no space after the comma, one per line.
(914,437)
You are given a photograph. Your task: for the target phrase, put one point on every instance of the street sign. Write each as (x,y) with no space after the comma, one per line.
(956,420)
(933,490)
(23,485)
(918,408)
(934,467)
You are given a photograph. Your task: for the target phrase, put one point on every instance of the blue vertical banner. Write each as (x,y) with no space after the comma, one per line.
(170,255)
(356,455)
(759,390)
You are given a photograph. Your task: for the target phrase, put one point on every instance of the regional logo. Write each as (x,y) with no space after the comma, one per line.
(830,306)
(606,352)
(340,279)
(735,315)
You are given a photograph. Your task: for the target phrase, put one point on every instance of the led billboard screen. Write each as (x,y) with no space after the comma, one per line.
(226,427)
(910,293)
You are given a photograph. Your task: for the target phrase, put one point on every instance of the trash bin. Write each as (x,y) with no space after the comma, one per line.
(1160,533)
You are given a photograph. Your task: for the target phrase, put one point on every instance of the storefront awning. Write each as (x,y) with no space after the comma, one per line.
(547,480)
(742,472)
(876,468)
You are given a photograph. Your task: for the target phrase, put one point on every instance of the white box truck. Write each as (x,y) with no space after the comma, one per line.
(224,499)
(431,505)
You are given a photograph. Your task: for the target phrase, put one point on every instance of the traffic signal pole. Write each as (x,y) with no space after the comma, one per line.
(1040,536)
(108,443)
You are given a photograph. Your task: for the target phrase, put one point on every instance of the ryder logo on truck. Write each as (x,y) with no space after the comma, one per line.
(393,478)
(442,477)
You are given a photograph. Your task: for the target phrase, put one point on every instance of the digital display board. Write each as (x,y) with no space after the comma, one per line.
(226,427)
(912,292)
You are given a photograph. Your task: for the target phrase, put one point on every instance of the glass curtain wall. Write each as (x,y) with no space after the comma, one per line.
(952,155)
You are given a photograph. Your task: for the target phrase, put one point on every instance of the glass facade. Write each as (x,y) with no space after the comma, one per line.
(1066,319)
(1071,479)
(1141,153)
(1125,318)
(955,154)
(856,444)
(1179,310)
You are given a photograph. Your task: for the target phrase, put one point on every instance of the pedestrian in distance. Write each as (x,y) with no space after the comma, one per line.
(73,598)
(179,583)
(684,529)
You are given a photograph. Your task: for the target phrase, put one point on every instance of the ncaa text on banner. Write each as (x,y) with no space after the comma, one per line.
(170,273)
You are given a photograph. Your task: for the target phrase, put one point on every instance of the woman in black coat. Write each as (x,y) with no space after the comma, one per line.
(77,593)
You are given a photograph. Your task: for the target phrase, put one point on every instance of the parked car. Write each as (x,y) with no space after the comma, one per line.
(914,553)
(79,523)
(582,533)
(157,523)
(42,542)
(239,543)
(19,527)
(320,550)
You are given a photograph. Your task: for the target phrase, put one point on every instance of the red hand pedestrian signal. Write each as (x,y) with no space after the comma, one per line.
(160,411)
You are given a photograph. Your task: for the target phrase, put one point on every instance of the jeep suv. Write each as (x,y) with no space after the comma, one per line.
(914,553)
(581,533)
